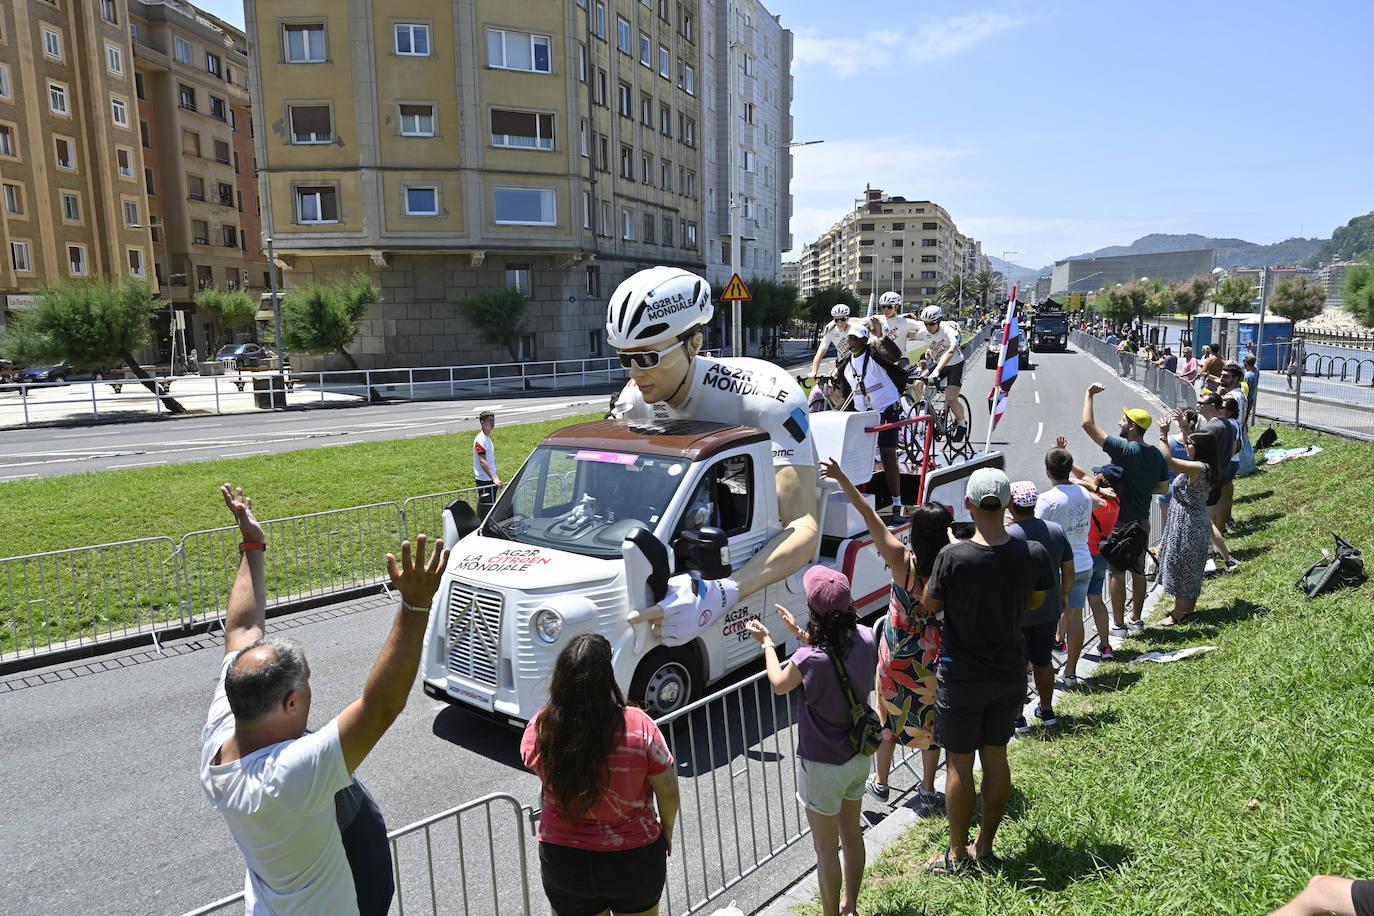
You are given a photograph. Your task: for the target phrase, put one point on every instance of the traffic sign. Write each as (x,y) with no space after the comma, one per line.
(736,291)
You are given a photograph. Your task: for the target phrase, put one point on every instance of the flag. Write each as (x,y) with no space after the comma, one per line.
(1007,364)
(872,303)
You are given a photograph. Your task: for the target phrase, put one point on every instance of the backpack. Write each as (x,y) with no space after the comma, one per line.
(1123,547)
(1333,571)
(897,367)
(865,731)
(1266,439)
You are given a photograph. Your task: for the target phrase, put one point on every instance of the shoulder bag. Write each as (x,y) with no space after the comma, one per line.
(865,731)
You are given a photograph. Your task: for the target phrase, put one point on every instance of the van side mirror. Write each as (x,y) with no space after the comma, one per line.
(460,520)
(705,551)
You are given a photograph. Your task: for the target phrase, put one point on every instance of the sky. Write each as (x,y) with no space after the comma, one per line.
(1055,127)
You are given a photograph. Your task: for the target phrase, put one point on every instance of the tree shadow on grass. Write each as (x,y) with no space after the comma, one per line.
(1048,865)
(1248,553)
(1243,527)
(1108,681)
(1252,497)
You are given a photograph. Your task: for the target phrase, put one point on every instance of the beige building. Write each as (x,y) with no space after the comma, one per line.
(791,273)
(72,201)
(450,147)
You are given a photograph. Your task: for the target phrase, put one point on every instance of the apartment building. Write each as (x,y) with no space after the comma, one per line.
(1331,278)
(191,74)
(450,147)
(72,202)
(747,62)
(791,273)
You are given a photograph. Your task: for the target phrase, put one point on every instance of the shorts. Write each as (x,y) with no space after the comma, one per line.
(1362,896)
(1040,642)
(887,438)
(1139,567)
(585,882)
(823,787)
(969,717)
(1078,591)
(1099,576)
(953,374)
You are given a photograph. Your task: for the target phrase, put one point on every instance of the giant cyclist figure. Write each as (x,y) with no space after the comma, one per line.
(655,320)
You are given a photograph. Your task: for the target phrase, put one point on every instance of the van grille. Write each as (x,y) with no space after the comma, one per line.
(474,633)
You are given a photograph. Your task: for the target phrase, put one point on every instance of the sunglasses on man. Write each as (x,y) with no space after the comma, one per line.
(646,359)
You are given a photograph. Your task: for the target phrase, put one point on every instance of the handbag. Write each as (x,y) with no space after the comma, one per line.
(865,731)
(1123,547)
(1334,570)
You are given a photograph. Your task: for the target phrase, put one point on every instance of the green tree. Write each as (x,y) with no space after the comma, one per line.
(322,318)
(952,291)
(1234,294)
(774,304)
(233,307)
(497,315)
(92,325)
(1297,300)
(985,283)
(1190,294)
(1358,292)
(819,303)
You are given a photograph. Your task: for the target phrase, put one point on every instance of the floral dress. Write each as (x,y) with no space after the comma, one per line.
(907,657)
(1187,532)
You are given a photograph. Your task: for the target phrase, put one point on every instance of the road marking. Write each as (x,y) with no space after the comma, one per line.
(1032,376)
(246,454)
(1039,431)
(19,476)
(118,432)
(422,435)
(140,464)
(1037,397)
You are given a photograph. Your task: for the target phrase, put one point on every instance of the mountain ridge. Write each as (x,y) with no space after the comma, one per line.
(1231,252)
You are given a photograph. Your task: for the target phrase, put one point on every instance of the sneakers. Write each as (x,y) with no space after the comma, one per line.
(1061,647)
(1120,630)
(1104,653)
(1046,717)
(1136,626)
(1232,564)
(1022,726)
(1067,682)
(933,798)
(877,791)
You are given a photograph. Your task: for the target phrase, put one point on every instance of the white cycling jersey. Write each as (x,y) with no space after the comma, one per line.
(838,338)
(944,339)
(741,391)
(903,330)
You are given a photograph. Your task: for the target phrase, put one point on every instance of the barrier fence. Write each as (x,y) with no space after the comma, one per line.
(87,596)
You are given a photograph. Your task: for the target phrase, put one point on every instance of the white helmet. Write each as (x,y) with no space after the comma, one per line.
(840,311)
(890,298)
(932,314)
(656,305)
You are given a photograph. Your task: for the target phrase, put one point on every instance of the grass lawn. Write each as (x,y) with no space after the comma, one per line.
(87,593)
(1219,784)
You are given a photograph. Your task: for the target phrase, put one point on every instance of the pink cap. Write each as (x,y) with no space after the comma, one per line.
(827,591)
(1024,494)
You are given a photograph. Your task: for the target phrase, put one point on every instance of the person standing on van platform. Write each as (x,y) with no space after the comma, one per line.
(484,464)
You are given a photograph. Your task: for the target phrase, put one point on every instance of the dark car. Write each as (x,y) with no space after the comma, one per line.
(1050,331)
(244,355)
(59,372)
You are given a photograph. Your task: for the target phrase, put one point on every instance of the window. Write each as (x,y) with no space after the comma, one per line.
(723,499)
(138,86)
(190,143)
(57,98)
(665,120)
(664,62)
(691,81)
(229,236)
(927,275)
(581,62)
(751,162)
(143,135)
(66,153)
(224,193)
(21,257)
(646,168)
(667,230)
(212,64)
(929,259)
(646,50)
(136,267)
(417,119)
(650,224)
(218,110)
(524,348)
(646,111)
(594,344)
(77,264)
(627,224)
(200,232)
(131,214)
(5,90)
(586,209)
(108,12)
(52,43)
(310,124)
(525,207)
(114,59)
(523,129)
(929,227)
(412,39)
(691,133)
(14,199)
(119,112)
(601,98)
(747,112)
(148,182)
(304,43)
(518,277)
(624,105)
(665,175)
(688,26)
(603,153)
(7,146)
(420,199)
(518,51)
(317,205)
(593,281)
(748,65)
(930,243)
(622,34)
(606,218)
(186,97)
(195,187)
(689,186)
(899,227)
(690,239)
(627,162)
(181,49)
(599,24)
(584,143)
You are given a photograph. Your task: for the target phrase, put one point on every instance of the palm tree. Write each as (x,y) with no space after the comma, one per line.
(952,291)
(984,284)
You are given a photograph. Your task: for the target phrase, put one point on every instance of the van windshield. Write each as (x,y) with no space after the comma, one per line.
(1055,325)
(584,500)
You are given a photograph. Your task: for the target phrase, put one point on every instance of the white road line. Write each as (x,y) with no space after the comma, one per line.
(1039,431)
(422,435)
(140,464)
(1032,376)
(1037,397)
(19,477)
(118,432)
(246,454)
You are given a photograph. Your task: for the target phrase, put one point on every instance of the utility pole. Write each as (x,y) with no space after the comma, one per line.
(276,305)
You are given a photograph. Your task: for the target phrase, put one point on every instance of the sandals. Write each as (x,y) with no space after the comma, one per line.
(1172,621)
(947,866)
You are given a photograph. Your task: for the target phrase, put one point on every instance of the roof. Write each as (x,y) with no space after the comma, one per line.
(691,439)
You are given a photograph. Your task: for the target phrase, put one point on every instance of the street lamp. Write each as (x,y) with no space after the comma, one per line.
(276,303)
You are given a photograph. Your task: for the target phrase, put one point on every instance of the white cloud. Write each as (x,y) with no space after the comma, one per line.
(933,41)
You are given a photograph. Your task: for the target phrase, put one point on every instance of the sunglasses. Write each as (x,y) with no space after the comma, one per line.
(647,359)
(888,308)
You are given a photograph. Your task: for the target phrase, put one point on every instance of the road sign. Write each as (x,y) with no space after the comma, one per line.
(736,291)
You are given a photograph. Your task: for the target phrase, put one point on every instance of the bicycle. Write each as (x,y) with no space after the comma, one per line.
(912,437)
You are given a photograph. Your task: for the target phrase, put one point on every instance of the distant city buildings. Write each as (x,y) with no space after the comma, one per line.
(791,273)
(1042,287)
(1331,277)
(1086,275)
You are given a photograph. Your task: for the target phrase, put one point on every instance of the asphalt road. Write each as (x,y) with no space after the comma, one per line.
(102,808)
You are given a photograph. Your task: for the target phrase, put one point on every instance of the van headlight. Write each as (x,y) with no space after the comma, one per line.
(547,624)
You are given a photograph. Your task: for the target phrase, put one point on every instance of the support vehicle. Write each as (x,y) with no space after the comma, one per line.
(1050,331)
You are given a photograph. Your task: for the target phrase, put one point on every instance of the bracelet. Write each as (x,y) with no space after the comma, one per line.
(770,645)
(407,606)
(251,545)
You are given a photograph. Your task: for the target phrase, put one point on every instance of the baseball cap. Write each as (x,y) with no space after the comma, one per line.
(1110,471)
(987,484)
(1139,416)
(1024,494)
(827,591)
(859,330)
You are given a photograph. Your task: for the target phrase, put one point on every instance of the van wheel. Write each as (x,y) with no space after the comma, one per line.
(667,680)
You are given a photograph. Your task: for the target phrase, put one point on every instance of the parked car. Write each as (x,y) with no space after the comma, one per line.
(244,355)
(61,372)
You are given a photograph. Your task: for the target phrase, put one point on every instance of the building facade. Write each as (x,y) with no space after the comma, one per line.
(791,273)
(551,147)
(1086,275)
(1332,279)
(747,63)
(72,199)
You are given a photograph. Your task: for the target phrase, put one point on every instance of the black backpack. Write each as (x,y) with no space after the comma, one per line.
(1123,547)
(1334,570)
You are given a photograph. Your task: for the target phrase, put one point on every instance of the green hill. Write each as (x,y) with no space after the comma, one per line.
(1351,242)
(1230,252)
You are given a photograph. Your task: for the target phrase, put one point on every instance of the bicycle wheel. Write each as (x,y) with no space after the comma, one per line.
(911,439)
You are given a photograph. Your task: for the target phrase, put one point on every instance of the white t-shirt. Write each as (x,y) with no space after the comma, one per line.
(482,448)
(945,338)
(903,330)
(1069,506)
(743,391)
(877,391)
(837,338)
(279,804)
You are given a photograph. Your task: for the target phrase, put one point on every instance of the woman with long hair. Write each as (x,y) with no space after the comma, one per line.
(909,647)
(831,776)
(602,847)
(1187,530)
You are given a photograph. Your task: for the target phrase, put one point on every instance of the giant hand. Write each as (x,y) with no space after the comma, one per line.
(691,605)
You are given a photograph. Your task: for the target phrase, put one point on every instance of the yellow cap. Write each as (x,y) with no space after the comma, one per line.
(1139,417)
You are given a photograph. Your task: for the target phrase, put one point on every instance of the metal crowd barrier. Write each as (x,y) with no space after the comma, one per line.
(1173,391)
